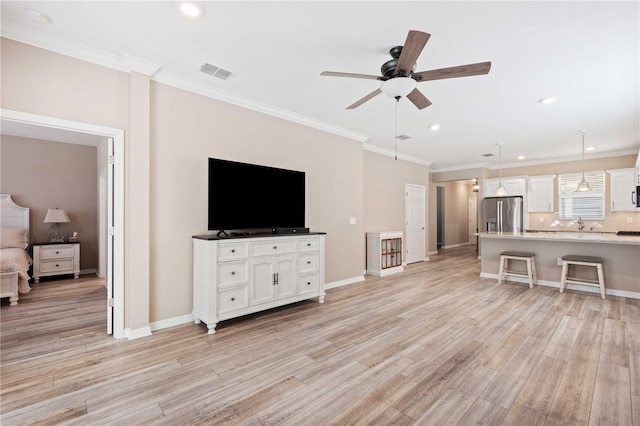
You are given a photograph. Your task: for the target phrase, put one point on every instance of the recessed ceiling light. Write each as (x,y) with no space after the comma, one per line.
(37,16)
(190,8)
(548,100)
(521,157)
(590,148)
(434,127)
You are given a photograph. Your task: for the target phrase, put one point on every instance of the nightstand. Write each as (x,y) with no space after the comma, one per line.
(50,259)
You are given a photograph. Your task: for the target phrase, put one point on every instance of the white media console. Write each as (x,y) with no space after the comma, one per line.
(241,275)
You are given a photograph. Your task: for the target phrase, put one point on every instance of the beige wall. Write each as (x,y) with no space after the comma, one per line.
(384,192)
(42,175)
(185,129)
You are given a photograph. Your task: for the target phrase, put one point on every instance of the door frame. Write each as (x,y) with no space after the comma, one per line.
(117,201)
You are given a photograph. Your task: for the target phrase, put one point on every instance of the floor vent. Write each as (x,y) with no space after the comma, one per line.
(215,71)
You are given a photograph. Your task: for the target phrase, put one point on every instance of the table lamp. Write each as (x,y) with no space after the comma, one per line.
(56,217)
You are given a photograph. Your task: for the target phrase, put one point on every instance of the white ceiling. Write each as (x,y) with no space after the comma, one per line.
(587,53)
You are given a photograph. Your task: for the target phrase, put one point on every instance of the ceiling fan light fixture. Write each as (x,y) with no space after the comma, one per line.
(399,86)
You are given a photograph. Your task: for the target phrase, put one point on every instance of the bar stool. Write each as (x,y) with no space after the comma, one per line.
(526,256)
(573,259)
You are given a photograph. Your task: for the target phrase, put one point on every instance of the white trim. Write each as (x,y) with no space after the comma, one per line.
(344,282)
(389,153)
(127,63)
(118,140)
(137,333)
(171,322)
(555,284)
(456,245)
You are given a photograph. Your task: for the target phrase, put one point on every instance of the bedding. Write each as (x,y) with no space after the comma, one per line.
(17,260)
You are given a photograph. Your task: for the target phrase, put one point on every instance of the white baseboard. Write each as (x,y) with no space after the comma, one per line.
(171,322)
(137,333)
(344,282)
(455,245)
(556,284)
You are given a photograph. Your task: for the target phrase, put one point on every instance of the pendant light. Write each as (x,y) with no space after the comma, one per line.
(583,186)
(500,192)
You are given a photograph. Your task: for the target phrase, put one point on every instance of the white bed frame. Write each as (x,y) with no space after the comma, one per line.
(14,216)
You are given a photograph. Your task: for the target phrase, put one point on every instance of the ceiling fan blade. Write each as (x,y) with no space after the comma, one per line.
(365,99)
(418,99)
(347,74)
(453,72)
(412,48)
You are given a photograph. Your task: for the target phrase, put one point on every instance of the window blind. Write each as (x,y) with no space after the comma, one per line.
(585,205)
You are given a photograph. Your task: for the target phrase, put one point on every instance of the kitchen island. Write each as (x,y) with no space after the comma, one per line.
(621,256)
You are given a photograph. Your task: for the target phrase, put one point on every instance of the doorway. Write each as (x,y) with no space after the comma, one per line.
(112,216)
(440,217)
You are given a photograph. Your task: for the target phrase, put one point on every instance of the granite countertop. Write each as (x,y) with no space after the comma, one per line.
(587,237)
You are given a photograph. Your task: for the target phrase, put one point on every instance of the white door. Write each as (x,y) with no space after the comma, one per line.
(473,220)
(415,207)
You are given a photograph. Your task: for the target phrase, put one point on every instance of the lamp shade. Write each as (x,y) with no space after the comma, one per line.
(399,86)
(56,216)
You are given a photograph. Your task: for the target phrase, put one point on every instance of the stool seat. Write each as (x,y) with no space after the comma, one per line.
(517,253)
(528,257)
(582,260)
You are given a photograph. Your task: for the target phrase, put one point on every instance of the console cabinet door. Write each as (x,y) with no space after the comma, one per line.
(287,285)
(262,285)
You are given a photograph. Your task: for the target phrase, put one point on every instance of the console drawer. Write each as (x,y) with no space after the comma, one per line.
(308,284)
(228,251)
(233,299)
(306,244)
(307,262)
(233,272)
(273,247)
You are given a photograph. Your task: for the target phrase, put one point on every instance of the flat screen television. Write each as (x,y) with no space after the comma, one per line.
(249,196)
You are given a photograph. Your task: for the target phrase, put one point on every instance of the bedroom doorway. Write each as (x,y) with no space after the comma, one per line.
(110,143)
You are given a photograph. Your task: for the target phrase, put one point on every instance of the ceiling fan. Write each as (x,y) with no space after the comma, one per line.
(399,78)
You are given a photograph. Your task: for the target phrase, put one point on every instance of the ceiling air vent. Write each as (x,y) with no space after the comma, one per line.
(487,155)
(215,71)
(403,137)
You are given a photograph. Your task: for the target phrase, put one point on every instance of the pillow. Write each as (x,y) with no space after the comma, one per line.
(14,238)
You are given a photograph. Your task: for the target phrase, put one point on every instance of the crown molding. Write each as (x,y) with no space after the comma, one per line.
(128,63)
(389,153)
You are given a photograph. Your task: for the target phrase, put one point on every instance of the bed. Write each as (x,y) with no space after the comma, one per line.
(14,242)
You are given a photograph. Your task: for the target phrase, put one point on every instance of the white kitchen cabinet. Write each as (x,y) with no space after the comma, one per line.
(540,191)
(239,276)
(513,186)
(622,186)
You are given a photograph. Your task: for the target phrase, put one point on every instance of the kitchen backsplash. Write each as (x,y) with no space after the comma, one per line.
(613,222)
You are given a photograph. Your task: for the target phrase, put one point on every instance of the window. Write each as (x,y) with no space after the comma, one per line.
(585,205)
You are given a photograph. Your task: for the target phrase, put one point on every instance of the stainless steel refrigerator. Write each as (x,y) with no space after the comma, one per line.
(502,214)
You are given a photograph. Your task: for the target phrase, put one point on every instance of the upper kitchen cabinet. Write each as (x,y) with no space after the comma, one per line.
(623,184)
(513,186)
(540,194)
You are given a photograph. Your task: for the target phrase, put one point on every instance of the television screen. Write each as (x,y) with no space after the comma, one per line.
(249,196)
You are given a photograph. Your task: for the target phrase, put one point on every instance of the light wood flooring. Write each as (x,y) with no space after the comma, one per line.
(435,345)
